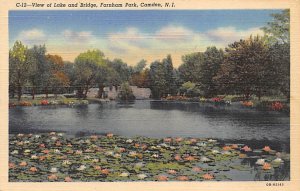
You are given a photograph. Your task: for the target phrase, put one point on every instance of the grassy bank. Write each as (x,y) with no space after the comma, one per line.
(59,100)
(268,103)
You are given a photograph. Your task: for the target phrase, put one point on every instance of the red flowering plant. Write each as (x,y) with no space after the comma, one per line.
(44,102)
(277,106)
(25,103)
(216,99)
(247,103)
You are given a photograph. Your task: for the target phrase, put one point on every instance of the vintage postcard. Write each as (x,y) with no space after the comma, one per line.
(149,95)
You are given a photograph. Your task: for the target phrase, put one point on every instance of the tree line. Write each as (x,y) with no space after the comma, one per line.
(258,65)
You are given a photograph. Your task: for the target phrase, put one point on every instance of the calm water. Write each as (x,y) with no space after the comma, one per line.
(231,124)
(156,119)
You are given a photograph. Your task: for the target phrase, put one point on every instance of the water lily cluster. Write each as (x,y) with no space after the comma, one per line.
(56,157)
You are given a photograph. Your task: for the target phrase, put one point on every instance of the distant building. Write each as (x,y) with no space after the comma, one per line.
(112,93)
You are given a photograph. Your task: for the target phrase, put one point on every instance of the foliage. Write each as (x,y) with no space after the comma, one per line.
(190,89)
(126,92)
(247,103)
(278,30)
(162,78)
(247,68)
(58,78)
(277,106)
(141,79)
(19,67)
(87,67)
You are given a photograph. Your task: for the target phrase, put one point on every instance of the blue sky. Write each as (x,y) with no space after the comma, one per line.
(135,35)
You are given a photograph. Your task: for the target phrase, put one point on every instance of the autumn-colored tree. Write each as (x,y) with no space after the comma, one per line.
(58,79)
(141,79)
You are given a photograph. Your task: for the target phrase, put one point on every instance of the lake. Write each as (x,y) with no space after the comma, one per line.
(155,119)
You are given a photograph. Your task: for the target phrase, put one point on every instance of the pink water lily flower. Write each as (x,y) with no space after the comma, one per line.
(178,139)
(167,140)
(11,165)
(266,149)
(246,149)
(197,169)
(33,169)
(68,179)
(162,178)
(182,178)
(177,157)
(207,176)
(52,177)
(23,163)
(171,171)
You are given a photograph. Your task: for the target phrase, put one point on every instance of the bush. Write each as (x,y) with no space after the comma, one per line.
(25,103)
(247,103)
(126,92)
(44,102)
(277,106)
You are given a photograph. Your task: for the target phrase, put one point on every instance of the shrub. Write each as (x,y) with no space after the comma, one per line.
(25,103)
(247,103)
(126,92)
(216,99)
(277,106)
(44,102)
(12,105)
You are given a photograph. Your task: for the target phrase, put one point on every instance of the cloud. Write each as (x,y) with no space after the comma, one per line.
(32,36)
(133,44)
(172,32)
(81,36)
(226,35)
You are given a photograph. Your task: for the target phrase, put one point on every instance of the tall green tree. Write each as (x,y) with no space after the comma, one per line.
(19,67)
(278,30)
(139,67)
(87,68)
(277,34)
(39,69)
(191,67)
(158,82)
(169,75)
(212,61)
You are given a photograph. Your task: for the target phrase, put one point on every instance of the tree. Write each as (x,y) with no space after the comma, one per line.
(126,92)
(86,68)
(168,75)
(280,58)
(247,68)
(190,89)
(69,71)
(191,67)
(19,67)
(141,79)
(158,83)
(278,30)
(139,67)
(277,33)
(58,80)
(39,67)
(212,61)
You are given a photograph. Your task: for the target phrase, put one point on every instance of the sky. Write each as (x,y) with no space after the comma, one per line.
(132,35)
